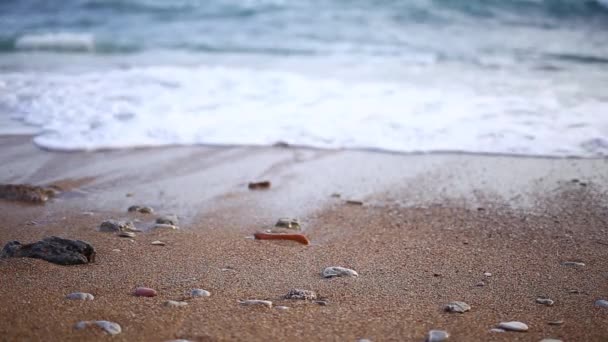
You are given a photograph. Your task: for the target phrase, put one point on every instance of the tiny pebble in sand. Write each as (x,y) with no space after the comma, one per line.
(601,303)
(460,307)
(200,293)
(480,284)
(337,271)
(573,263)
(437,336)
(174,304)
(164,226)
(513,326)
(80,296)
(496,330)
(144,292)
(157,243)
(110,328)
(255,302)
(487,274)
(560,322)
(281,307)
(545,301)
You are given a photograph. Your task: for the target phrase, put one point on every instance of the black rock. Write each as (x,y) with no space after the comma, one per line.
(52,249)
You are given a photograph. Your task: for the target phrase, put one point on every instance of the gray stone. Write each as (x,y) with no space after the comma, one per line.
(337,271)
(545,301)
(126,234)
(168,219)
(114,226)
(559,322)
(52,249)
(288,223)
(175,304)
(256,302)
(573,263)
(496,330)
(110,328)
(300,294)
(80,296)
(200,293)
(437,336)
(601,303)
(460,307)
(513,326)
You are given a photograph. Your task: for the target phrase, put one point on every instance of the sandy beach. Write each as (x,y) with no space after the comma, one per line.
(432,229)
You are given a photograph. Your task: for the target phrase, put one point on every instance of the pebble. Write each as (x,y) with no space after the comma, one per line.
(480,284)
(487,274)
(437,336)
(321,302)
(288,223)
(80,296)
(164,226)
(251,302)
(174,304)
(550,340)
(496,330)
(460,307)
(560,322)
(127,234)
(110,328)
(300,294)
(364,340)
(545,301)
(116,250)
(601,303)
(282,307)
(513,326)
(168,219)
(138,209)
(337,271)
(113,226)
(144,292)
(200,293)
(354,202)
(157,243)
(259,185)
(573,263)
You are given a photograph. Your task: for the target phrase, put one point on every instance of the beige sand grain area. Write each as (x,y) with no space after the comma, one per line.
(430,227)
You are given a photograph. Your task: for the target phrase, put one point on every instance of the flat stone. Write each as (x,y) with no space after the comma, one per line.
(573,263)
(559,322)
(114,226)
(126,234)
(256,302)
(164,226)
(601,303)
(337,271)
(300,294)
(281,307)
(513,326)
(288,223)
(157,243)
(487,274)
(108,327)
(437,336)
(80,296)
(460,307)
(144,292)
(52,249)
(545,301)
(263,185)
(321,302)
(168,219)
(174,304)
(496,330)
(200,293)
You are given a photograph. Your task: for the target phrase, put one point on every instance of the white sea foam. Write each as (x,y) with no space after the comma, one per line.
(60,41)
(220,105)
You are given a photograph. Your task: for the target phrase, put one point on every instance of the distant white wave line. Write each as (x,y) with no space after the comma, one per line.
(212,105)
(56,41)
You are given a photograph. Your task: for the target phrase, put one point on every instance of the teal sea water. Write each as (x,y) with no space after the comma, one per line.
(493,76)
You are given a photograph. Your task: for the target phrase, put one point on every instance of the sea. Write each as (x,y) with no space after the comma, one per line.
(515,77)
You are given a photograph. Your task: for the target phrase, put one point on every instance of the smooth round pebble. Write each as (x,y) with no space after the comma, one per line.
(601,303)
(337,271)
(487,274)
(175,304)
(437,336)
(280,307)
(460,307)
(110,328)
(200,293)
(80,296)
(513,326)
(144,292)
(545,301)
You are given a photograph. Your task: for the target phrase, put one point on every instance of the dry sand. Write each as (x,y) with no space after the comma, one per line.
(430,226)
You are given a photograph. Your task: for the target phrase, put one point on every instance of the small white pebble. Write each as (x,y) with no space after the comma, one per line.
(157,243)
(573,263)
(337,271)
(513,326)
(110,328)
(116,250)
(280,307)
(496,330)
(545,301)
(200,293)
(164,226)
(175,304)
(80,296)
(251,302)
(487,274)
(460,307)
(601,303)
(437,336)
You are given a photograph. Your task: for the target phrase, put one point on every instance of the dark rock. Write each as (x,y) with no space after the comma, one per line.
(139,209)
(168,219)
(52,249)
(288,223)
(263,185)
(113,226)
(26,193)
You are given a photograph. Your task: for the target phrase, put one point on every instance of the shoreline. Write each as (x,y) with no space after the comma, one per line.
(429,228)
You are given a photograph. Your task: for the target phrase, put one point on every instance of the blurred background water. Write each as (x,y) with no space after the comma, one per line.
(491,76)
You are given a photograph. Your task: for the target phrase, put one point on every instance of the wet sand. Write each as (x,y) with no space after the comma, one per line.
(429,228)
